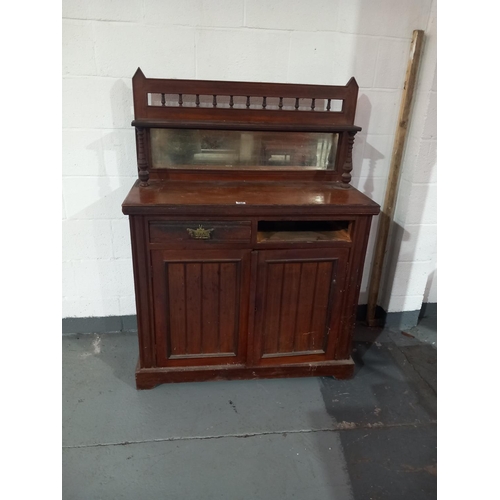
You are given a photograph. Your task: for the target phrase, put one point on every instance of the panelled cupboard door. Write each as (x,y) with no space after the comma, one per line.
(298,305)
(200,306)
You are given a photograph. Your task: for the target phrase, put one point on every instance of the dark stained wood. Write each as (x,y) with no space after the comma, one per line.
(201,306)
(253,304)
(194,318)
(305,306)
(299,299)
(243,116)
(306,117)
(148,378)
(176,308)
(143,296)
(252,89)
(347,167)
(223,174)
(160,309)
(320,312)
(174,232)
(271,328)
(143,86)
(289,301)
(216,297)
(354,275)
(142,157)
(258,197)
(225,125)
(228,307)
(210,295)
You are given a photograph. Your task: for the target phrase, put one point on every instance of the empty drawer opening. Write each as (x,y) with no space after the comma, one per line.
(269,231)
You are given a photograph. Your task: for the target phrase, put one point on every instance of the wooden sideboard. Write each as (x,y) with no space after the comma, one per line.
(248,241)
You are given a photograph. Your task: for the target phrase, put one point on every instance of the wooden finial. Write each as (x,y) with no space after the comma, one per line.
(352,83)
(139,75)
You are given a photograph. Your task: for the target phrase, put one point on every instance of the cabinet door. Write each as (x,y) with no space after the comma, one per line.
(298,305)
(200,306)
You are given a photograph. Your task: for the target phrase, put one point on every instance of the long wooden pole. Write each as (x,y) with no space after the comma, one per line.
(392,183)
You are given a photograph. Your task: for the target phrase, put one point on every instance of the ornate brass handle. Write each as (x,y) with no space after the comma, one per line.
(200,233)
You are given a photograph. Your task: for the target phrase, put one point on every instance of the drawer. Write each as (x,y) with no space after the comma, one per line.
(199,231)
(330,232)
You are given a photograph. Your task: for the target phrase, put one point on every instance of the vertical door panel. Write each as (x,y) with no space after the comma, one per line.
(298,303)
(200,306)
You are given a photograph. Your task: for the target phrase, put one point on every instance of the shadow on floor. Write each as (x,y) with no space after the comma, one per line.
(387,413)
(371,437)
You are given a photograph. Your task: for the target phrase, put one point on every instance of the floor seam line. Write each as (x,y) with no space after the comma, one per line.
(342,426)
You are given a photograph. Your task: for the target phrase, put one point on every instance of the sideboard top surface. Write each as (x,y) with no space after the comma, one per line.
(246,197)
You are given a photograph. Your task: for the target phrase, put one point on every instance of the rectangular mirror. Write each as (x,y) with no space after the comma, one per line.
(245,150)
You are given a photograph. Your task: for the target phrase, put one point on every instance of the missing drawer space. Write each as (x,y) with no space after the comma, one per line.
(295,231)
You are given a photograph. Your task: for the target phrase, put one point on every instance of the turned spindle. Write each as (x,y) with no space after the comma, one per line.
(142,161)
(347,167)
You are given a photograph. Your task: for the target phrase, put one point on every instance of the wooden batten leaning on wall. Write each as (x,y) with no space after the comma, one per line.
(248,240)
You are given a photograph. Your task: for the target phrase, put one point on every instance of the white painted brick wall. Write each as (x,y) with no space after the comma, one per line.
(91,102)
(221,13)
(331,58)
(104,10)
(119,46)
(393,56)
(234,54)
(78,48)
(87,239)
(377,111)
(314,15)
(319,41)
(392,18)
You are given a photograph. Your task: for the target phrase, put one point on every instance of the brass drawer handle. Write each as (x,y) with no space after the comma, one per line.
(200,233)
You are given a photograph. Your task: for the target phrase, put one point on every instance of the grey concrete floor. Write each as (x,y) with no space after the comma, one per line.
(371,437)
